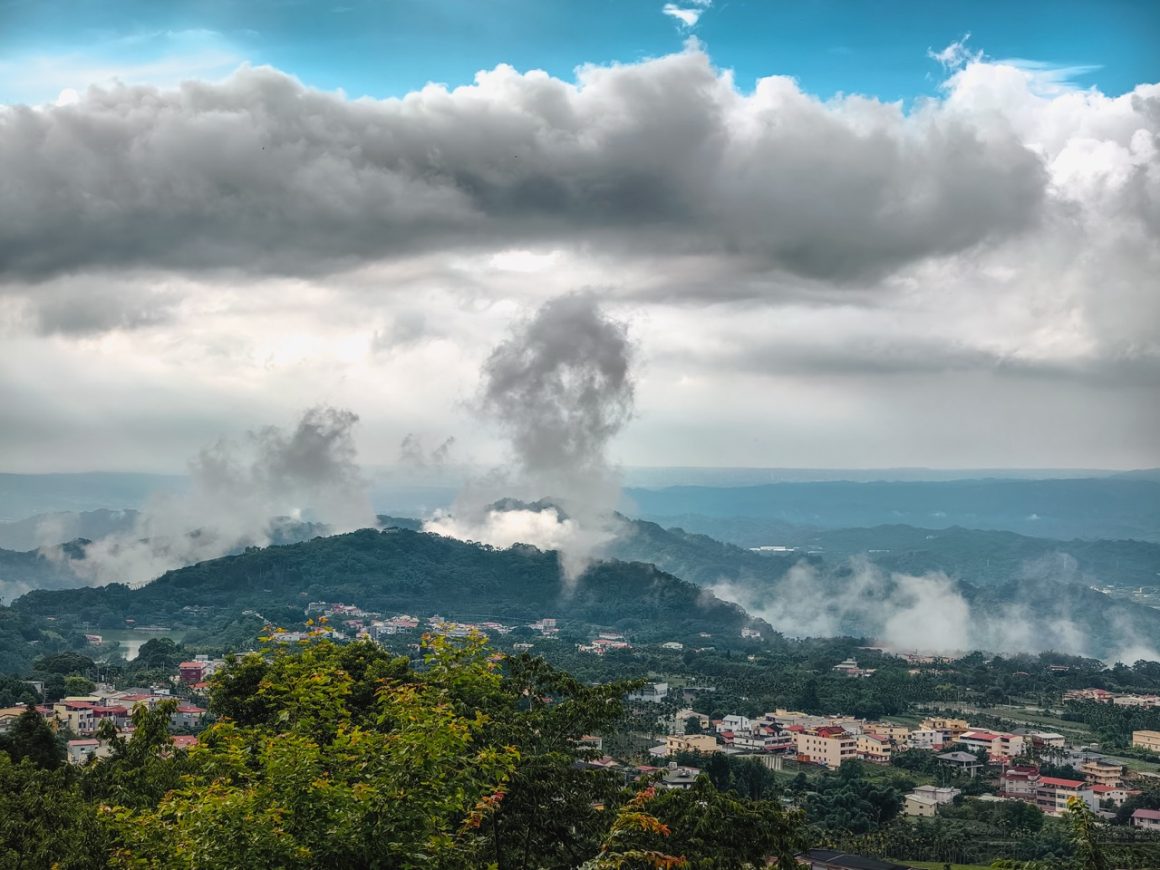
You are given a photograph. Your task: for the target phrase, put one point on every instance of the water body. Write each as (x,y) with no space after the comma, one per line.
(130,639)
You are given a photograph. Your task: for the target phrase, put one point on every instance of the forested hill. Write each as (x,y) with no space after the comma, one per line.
(399,570)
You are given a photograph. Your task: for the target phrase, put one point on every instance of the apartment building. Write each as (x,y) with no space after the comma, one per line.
(1052,794)
(1149,740)
(826,746)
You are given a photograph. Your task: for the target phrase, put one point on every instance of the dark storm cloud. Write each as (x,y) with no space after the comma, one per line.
(261,174)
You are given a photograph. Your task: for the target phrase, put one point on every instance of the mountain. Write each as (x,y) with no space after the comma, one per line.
(398,570)
(56,528)
(23,495)
(22,572)
(1087,508)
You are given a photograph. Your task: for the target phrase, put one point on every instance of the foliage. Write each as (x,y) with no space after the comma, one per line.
(30,738)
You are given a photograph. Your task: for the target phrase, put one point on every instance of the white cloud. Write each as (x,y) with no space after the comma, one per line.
(687,16)
(820,273)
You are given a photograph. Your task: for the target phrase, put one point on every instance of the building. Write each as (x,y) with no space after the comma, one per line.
(682,717)
(849,668)
(926,738)
(832,859)
(1114,794)
(875,748)
(1149,820)
(1149,740)
(951,728)
(998,744)
(735,723)
(926,799)
(1102,772)
(679,777)
(706,743)
(81,750)
(826,746)
(1052,794)
(8,715)
(1019,782)
(653,693)
(76,716)
(1047,740)
(896,734)
(963,762)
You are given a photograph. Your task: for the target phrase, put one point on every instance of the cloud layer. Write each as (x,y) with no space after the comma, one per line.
(990,253)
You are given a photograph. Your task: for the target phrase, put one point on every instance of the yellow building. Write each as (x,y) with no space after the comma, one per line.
(950,727)
(691,743)
(827,749)
(1102,772)
(875,747)
(1149,740)
(892,732)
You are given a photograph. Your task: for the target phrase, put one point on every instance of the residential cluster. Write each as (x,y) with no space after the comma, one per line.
(964,751)
(1120,699)
(82,715)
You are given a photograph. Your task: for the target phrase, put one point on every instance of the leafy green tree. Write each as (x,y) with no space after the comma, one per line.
(31,738)
(64,663)
(45,821)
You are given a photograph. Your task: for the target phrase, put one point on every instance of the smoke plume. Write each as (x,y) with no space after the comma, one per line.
(243,494)
(560,388)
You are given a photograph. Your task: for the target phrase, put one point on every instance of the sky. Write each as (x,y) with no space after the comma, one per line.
(838,234)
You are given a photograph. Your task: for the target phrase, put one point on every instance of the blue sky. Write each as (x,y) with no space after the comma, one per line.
(389,47)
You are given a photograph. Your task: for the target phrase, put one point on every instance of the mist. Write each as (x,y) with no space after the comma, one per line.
(242,493)
(929,613)
(559,388)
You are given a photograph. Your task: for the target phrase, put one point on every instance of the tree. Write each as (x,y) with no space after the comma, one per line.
(30,737)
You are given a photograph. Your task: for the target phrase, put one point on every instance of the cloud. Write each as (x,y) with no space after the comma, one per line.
(262,174)
(930,613)
(687,16)
(956,55)
(241,495)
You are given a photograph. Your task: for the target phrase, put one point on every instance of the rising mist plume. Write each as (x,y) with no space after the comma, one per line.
(247,493)
(560,388)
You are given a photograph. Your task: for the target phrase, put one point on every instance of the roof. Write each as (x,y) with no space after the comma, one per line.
(198,665)
(853,862)
(1147,814)
(1064,783)
(84,742)
(980,735)
(958,756)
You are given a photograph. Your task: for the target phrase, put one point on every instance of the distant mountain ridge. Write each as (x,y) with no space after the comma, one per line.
(1087,508)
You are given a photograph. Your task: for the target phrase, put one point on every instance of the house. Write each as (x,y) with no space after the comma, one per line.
(833,859)
(1019,782)
(875,748)
(926,738)
(849,668)
(652,693)
(192,672)
(951,728)
(76,716)
(963,762)
(1149,820)
(1149,740)
(926,799)
(826,746)
(681,718)
(183,741)
(186,716)
(1047,740)
(81,750)
(8,715)
(1114,794)
(1052,794)
(1102,772)
(673,645)
(706,743)
(998,744)
(896,734)
(679,777)
(735,723)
